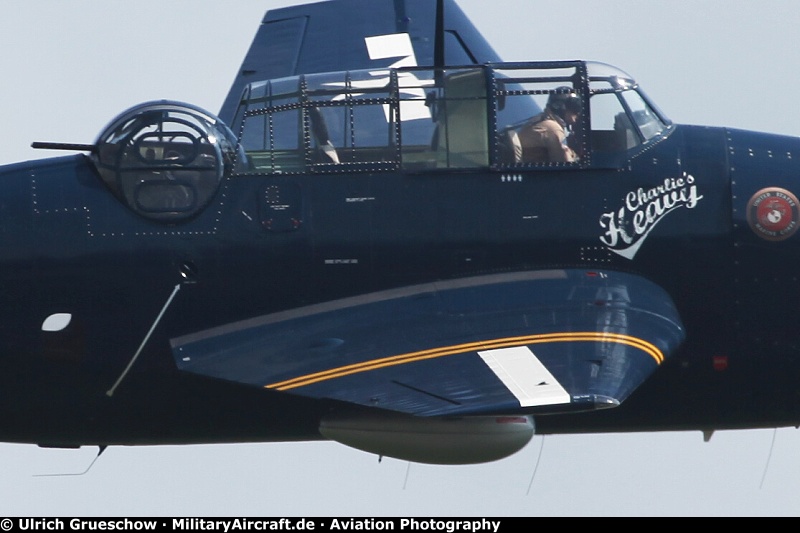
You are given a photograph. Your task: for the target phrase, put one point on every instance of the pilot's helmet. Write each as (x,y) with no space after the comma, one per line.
(564,99)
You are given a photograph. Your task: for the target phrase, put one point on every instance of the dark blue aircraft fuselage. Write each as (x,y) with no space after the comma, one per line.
(68,244)
(363,235)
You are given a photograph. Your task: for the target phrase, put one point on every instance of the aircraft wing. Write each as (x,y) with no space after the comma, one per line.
(533,342)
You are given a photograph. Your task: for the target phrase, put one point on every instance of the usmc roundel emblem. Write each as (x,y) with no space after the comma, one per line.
(773,213)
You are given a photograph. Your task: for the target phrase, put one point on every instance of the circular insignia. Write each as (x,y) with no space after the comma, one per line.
(773,213)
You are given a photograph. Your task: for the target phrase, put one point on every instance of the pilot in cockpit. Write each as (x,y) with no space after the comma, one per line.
(543,138)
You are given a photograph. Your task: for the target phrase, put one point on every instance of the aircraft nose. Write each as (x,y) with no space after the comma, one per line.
(765,185)
(765,182)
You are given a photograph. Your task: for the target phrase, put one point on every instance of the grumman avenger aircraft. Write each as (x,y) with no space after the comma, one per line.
(367,245)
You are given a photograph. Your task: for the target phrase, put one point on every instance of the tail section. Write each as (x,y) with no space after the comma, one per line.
(337,35)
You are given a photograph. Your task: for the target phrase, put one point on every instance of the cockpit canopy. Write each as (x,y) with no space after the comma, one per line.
(166,160)
(422,118)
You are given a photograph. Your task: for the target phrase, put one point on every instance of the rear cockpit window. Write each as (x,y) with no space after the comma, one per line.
(323,122)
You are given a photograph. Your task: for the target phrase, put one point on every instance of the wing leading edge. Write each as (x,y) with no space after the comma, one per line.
(532,342)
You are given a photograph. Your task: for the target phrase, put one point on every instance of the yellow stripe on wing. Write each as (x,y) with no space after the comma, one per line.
(365,366)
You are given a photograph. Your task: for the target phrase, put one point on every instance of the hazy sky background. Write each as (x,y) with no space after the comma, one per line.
(68,67)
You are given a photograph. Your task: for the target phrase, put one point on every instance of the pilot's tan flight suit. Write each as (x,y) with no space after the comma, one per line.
(544,139)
